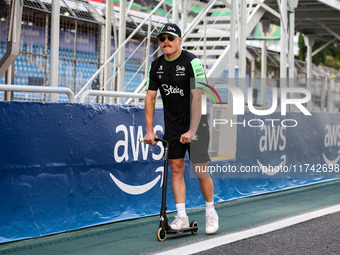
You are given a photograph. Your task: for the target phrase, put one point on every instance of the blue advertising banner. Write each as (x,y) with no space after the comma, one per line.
(85,42)
(3,31)
(67,166)
(291,146)
(279,152)
(31,33)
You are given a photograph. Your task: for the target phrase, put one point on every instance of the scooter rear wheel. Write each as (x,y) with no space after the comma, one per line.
(161,234)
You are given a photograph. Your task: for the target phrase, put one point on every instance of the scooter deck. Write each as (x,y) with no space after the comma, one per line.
(189,229)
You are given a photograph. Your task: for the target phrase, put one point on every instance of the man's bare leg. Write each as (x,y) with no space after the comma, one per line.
(206,184)
(178,188)
(177,179)
(207,189)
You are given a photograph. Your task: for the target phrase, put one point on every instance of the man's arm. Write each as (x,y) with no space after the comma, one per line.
(150,102)
(196,107)
(195,116)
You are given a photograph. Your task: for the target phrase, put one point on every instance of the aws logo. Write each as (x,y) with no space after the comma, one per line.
(139,189)
(209,93)
(332,141)
(273,139)
(128,145)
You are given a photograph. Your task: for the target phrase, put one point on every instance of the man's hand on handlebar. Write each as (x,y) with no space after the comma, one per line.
(149,138)
(187,137)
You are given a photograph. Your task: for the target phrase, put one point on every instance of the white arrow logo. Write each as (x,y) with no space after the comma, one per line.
(140,189)
(331,162)
(273,170)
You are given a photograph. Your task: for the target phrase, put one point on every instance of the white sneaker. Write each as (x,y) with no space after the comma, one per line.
(211,225)
(180,222)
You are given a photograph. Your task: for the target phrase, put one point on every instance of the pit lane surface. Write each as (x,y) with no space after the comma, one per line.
(236,217)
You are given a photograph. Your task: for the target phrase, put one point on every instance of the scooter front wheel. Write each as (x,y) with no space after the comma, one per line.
(194,224)
(161,234)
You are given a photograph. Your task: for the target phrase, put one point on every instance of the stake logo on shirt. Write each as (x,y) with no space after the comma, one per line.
(172,90)
(180,70)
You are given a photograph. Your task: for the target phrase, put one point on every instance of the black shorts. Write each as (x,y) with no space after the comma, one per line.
(198,149)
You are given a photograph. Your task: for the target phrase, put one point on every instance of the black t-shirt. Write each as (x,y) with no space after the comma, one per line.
(175,79)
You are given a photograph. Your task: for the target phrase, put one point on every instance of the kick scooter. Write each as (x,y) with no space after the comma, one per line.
(164,226)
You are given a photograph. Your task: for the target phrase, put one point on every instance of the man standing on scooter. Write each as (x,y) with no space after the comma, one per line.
(171,73)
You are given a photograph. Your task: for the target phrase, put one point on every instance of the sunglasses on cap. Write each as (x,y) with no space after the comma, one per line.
(170,38)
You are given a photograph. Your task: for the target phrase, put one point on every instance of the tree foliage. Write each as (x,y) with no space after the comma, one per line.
(330,56)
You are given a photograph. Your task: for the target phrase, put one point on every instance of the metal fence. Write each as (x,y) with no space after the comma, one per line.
(81,54)
(80,51)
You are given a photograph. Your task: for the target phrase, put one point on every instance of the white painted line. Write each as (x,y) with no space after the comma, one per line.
(229,238)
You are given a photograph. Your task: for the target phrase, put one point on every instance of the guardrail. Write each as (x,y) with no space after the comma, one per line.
(87,93)
(121,47)
(84,95)
(39,89)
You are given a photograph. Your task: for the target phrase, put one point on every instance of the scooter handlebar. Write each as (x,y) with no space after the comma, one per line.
(194,138)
